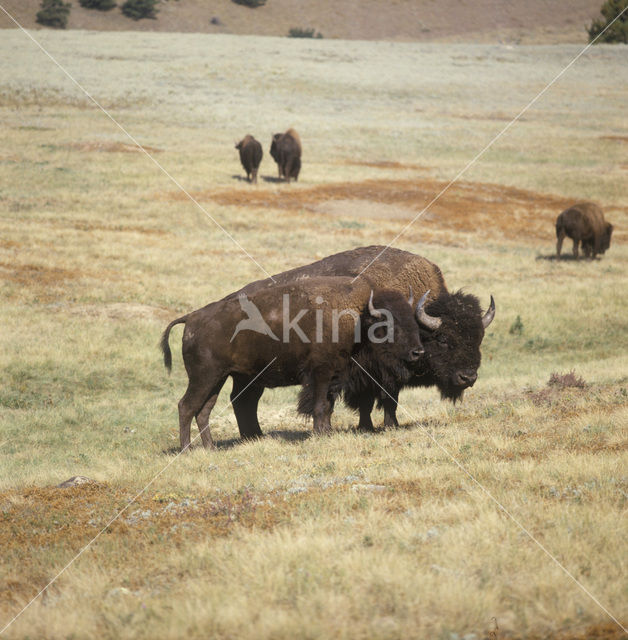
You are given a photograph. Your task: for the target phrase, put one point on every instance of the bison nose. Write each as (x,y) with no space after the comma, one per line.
(415,354)
(466,378)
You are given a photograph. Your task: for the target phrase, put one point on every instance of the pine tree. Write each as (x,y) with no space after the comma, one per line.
(101,5)
(138,9)
(618,31)
(54,13)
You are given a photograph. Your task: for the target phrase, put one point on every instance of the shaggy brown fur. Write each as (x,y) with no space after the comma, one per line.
(285,148)
(584,223)
(222,339)
(250,156)
(452,352)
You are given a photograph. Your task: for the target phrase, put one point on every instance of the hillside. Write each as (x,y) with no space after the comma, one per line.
(537,21)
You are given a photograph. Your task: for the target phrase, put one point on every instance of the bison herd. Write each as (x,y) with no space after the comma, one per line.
(345,326)
(285,149)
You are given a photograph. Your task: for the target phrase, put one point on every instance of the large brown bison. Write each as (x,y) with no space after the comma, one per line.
(306,333)
(584,223)
(452,327)
(250,156)
(285,148)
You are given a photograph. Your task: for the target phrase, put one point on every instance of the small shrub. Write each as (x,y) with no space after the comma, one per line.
(101,5)
(618,32)
(564,380)
(54,13)
(516,328)
(297,32)
(138,9)
(252,4)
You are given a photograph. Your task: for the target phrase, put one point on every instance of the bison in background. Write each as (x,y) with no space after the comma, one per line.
(250,156)
(452,327)
(285,149)
(258,342)
(584,223)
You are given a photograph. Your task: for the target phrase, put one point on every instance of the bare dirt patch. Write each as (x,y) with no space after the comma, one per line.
(615,138)
(33,275)
(122,311)
(110,147)
(387,164)
(495,211)
(482,20)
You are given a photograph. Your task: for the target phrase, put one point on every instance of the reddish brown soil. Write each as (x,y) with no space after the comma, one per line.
(27,275)
(615,138)
(495,211)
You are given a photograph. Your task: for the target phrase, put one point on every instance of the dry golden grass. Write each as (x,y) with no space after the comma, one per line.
(351,536)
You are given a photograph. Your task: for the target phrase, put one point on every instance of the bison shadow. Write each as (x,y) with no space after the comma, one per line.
(292,435)
(567,257)
(230,443)
(274,179)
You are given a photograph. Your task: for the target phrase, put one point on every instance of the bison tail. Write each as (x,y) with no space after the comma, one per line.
(165,347)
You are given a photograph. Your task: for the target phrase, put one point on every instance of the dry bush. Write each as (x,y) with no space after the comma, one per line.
(565,380)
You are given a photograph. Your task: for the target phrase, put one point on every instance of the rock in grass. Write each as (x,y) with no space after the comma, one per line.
(75,481)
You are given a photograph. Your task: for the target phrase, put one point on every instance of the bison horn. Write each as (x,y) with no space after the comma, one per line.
(411,298)
(372,310)
(487,318)
(431,322)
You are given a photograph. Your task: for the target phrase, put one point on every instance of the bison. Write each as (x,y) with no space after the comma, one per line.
(452,327)
(250,156)
(257,340)
(584,223)
(285,148)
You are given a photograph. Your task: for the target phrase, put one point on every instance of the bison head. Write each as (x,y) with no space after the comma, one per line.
(390,355)
(274,146)
(452,328)
(605,240)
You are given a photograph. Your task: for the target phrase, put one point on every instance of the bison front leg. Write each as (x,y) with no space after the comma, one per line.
(576,242)
(366,403)
(560,236)
(390,409)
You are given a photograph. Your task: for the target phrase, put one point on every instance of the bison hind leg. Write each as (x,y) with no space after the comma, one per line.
(198,401)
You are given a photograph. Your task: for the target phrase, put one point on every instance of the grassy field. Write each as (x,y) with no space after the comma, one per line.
(391,535)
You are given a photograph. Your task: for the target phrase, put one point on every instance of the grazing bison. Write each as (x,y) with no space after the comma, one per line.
(298,333)
(452,327)
(584,223)
(285,149)
(250,156)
